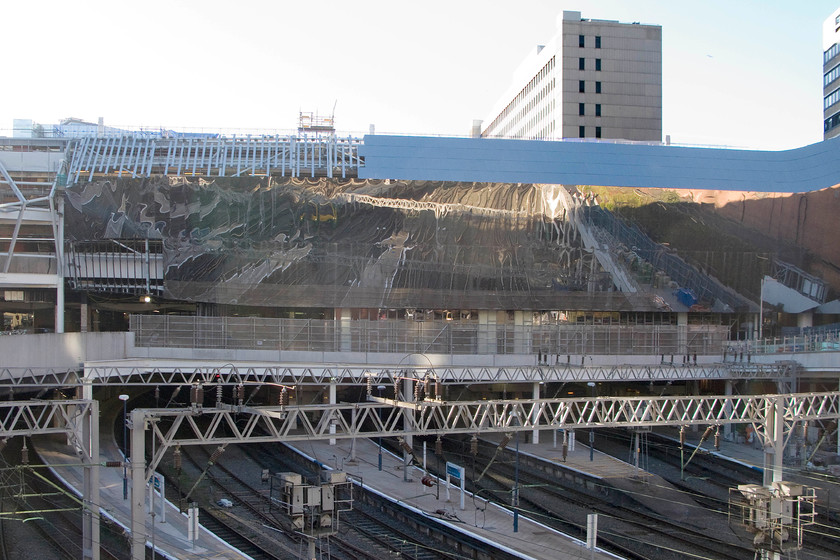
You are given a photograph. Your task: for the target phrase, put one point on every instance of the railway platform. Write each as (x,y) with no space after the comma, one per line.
(587,468)
(478,518)
(168,536)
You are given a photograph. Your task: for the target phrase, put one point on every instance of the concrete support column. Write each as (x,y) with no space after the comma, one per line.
(682,333)
(343,326)
(521,337)
(408,424)
(83,323)
(332,401)
(727,428)
(486,332)
(408,417)
(59,265)
(90,460)
(535,435)
(774,440)
(805,319)
(695,390)
(138,485)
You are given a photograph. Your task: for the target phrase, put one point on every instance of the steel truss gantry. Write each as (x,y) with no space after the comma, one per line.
(320,375)
(141,155)
(773,416)
(79,420)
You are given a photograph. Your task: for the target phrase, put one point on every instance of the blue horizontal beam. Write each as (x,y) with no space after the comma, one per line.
(804,169)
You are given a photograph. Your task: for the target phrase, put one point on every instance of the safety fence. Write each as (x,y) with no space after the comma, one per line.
(554,342)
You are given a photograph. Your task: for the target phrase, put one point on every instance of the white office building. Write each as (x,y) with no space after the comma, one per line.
(831,73)
(593,79)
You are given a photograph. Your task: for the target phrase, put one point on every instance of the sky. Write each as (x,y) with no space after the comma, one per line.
(743,73)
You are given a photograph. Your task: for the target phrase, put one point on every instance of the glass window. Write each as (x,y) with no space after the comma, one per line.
(581,109)
(581,64)
(582,131)
(580,41)
(598,64)
(597,132)
(831,99)
(582,86)
(831,75)
(597,87)
(597,109)
(597,41)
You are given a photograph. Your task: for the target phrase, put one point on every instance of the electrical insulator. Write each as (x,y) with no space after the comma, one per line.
(218,396)
(417,389)
(474,445)
(240,393)
(505,441)
(396,389)
(706,434)
(113,463)
(438,446)
(369,386)
(717,439)
(405,447)
(682,435)
(565,450)
(216,454)
(438,390)
(176,458)
(197,395)
(157,393)
(24,454)
(427,481)
(284,397)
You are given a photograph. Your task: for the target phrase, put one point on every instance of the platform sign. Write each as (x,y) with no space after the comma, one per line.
(455,471)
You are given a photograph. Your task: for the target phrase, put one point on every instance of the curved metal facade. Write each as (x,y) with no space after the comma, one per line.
(804,169)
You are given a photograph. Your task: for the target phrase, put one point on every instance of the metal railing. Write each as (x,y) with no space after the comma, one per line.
(433,337)
(818,342)
(142,156)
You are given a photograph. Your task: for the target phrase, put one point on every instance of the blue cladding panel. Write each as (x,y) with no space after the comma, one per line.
(803,169)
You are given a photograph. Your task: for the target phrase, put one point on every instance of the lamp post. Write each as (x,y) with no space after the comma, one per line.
(591,384)
(124,399)
(380,388)
(761,312)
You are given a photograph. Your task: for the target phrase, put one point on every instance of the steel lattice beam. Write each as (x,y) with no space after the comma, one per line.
(314,374)
(385,417)
(319,375)
(27,418)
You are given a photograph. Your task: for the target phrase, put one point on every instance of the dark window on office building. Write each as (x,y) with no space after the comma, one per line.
(582,86)
(580,41)
(597,87)
(597,41)
(598,64)
(581,110)
(582,131)
(597,109)
(581,64)
(597,132)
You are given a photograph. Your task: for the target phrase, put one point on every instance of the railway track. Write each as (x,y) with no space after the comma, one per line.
(366,526)
(626,526)
(260,525)
(55,519)
(708,478)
